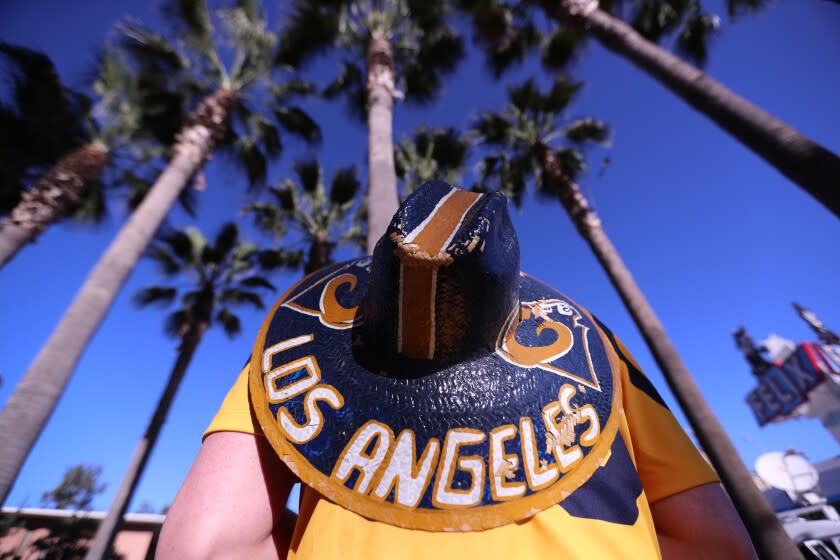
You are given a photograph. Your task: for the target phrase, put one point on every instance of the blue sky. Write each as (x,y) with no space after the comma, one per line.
(713,235)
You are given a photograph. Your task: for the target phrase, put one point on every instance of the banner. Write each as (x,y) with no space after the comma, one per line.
(784,387)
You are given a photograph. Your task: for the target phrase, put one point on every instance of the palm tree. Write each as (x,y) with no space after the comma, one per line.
(90,146)
(408,48)
(525,134)
(67,149)
(431,153)
(193,69)
(507,33)
(43,126)
(318,219)
(207,280)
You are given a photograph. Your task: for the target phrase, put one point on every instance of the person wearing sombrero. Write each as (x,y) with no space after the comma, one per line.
(436,402)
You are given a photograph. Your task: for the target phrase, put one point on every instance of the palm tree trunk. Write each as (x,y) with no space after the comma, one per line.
(51,198)
(111,524)
(382,178)
(318,256)
(811,166)
(769,538)
(36,395)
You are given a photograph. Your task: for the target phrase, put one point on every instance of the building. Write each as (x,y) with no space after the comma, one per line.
(32,533)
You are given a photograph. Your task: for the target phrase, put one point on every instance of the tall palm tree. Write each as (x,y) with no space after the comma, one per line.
(431,153)
(44,126)
(318,219)
(26,145)
(207,280)
(508,32)
(408,49)
(111,147)
(192,69)
(67,148)
(525,135)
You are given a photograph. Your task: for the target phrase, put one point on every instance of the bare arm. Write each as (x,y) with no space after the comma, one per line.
(700,523)
(229,506)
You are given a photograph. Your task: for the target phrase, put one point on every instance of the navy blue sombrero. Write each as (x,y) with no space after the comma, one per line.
(434,386)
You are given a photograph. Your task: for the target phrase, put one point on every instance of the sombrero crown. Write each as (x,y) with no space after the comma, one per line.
(434,386)
(444,279)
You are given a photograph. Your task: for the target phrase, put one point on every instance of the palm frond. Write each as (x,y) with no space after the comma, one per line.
(43,119)
(349,84)
(151,50)
(345,185)
(93,207)
(515,174)
(226,239)
(737,8)
(162,111)
(191,20)
(257,282)
(230,322)
(309,30)
(181,245)
(243,256)
(693,40)
(251,160)
(492,128)
(197,243)
(291,89)
(350,78)
(266,218)
(587,130)
(154,295)
(240,296)
(563,91)
(296,121)
(571,161)
(285,197)
(505,34)
(36,84)
(439,52)
(450,149)
(176,323)
(273,259)
(655,19)
(251,8)
(310,174)
(438,153)
(266,135)
(421,83)
(560,48)
(166,261)
(441,48)
(526,95)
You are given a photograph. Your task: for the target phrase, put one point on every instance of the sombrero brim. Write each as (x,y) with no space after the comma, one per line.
(471,446)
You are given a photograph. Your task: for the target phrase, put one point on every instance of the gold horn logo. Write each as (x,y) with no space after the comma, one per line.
(552,315)
(321,300)
(531,356)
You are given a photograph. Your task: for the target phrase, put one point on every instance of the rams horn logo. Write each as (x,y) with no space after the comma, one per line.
(333,299)
(528,349)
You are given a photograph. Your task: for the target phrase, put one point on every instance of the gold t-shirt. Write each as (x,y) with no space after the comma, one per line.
(601,526)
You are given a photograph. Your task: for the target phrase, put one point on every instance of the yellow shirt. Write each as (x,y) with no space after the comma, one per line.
(596,525)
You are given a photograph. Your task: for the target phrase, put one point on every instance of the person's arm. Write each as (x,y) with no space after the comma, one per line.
(232,503)
(700,523)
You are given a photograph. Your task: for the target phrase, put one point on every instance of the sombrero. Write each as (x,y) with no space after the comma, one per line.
(434,386)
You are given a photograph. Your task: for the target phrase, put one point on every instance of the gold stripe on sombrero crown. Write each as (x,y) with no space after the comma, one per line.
(443,279)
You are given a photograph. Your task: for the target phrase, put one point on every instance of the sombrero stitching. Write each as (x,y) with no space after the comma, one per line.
(434,386)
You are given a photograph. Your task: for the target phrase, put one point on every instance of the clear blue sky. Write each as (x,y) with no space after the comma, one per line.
(714,236)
